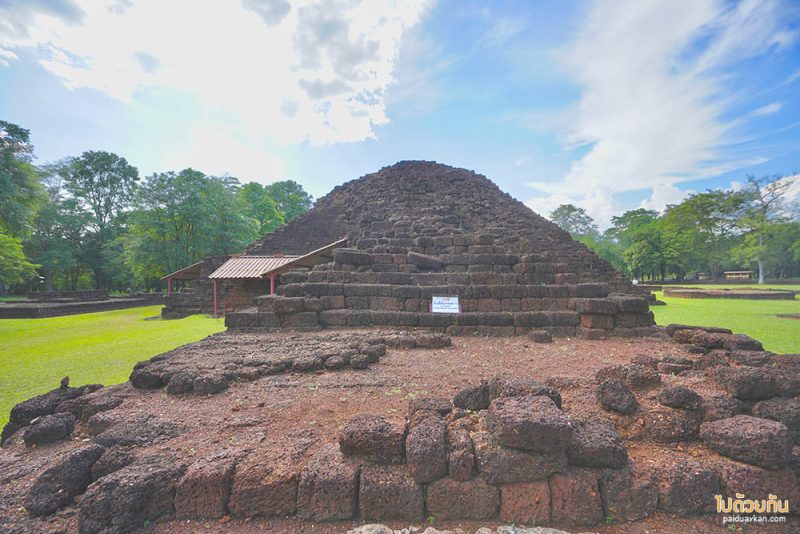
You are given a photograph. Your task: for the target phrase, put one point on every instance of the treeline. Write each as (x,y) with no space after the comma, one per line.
(753,229)
(92,222)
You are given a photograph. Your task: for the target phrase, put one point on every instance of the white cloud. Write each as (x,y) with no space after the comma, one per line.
(654,93)
(309,70)
(793,192)
(769,109)
(219,150)
(664,195)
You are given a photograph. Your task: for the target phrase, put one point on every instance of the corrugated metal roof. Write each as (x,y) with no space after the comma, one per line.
(250,266)
(191,271)
(316,257)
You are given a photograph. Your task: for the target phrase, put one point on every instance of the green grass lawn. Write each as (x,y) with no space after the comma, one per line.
(35,354)
(756,318)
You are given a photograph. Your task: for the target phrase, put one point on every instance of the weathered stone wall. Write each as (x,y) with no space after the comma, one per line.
(37,310)
(86,295)
(501,292)
(504,449)
(415,199)
(754,294)
(420,229)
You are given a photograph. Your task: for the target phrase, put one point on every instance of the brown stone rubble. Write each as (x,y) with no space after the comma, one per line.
(507,448)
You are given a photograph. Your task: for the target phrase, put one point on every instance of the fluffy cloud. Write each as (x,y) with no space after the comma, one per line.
(654,96)
(309,70)
(664,195)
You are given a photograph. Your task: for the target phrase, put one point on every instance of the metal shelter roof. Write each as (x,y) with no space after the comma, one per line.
(315,257)
(191,272)
(250,266)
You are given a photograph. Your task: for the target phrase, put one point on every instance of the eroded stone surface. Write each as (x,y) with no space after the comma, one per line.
(750,440)
(614,396)
(532,423)
(374,438)
(124,500)
(204,489)
(59,484)
(687,488)
(597,443)
(575,498)
(328,488)
(471,499)
(389,492)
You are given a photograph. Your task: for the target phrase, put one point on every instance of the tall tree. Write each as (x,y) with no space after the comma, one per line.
(102,184)
(260,206)
(20,197)
(14,266)
(20,192)
(767,209)
(574,220)
(626,226)
(58,239)
(181,218)
(291,198)
(709,221)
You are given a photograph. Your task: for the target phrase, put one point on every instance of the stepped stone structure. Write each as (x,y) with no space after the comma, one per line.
(416,230)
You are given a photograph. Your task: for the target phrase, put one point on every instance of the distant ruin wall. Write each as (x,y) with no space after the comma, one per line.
(81,295)
(37,310)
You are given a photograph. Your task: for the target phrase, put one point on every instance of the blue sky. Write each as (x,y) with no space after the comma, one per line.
(610,105)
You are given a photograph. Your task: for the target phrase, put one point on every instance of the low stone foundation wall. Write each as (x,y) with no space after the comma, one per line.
(496,309)
(62,296)
(37,310)
(749,294)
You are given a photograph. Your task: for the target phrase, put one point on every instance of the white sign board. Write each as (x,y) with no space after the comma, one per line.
(445,304)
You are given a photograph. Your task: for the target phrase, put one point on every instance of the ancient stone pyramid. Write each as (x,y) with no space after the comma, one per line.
(420,229)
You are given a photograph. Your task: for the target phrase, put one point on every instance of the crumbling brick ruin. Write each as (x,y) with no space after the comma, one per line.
(508,448)
(420,229)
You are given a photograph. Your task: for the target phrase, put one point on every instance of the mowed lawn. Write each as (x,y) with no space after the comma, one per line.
(35,354)
(756,318)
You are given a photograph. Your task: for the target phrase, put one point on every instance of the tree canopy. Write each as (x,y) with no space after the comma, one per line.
(710,232)
(292,200)
(574,220)
(89,221)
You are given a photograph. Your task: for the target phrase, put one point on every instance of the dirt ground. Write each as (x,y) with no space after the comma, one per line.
(273,410)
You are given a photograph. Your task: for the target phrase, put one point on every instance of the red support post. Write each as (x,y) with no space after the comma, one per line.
(272,277)
(215,298)
(169,286)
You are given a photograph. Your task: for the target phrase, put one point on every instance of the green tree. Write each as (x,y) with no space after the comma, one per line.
(59,233)
(574,220)
(179,219)
(291,198)
(608,249)
(625,227)
(14,267)
(20,192)
(650,246)
(762,220)
(102,184)
(708,222)
(260,206)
